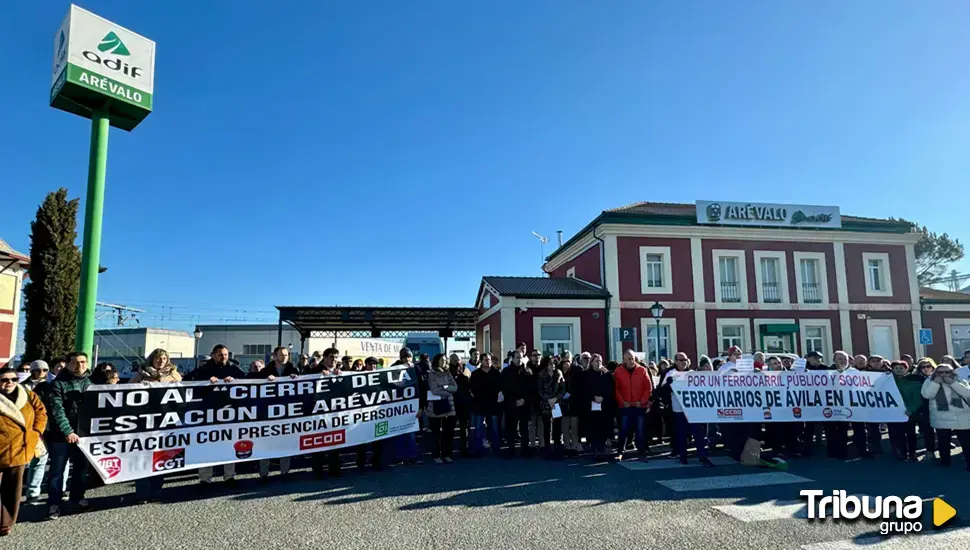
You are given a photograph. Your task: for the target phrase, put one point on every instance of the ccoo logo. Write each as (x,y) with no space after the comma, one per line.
(171,459)
(111,466)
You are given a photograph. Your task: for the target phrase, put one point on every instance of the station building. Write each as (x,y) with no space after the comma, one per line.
(13,269)
(700,278)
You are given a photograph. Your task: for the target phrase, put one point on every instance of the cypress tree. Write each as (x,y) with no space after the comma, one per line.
(51,293)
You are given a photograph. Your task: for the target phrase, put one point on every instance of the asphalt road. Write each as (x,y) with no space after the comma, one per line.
(496,503)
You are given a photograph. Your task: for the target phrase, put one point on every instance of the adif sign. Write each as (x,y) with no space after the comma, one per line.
(98,64)
(767,214)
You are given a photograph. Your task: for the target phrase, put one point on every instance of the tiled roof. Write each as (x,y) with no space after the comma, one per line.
(943,295)
(682,209)
(544,287)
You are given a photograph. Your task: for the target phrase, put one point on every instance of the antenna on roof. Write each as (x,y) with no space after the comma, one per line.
(542,251)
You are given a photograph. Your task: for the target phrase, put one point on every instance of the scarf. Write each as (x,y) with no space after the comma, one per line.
(12,396)
(149,371)
(941,403)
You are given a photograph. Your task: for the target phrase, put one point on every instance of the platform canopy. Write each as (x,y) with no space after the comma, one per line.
(377,322)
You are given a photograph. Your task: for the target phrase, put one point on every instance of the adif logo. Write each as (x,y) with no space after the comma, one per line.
(111,43)
(898,515)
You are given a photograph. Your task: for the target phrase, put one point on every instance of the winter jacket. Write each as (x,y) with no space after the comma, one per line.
(462,397)
(957,417)
(484,388)
(911,391)
(519,383)
(271,370)
(632,386)
(156,376)
(550,387)
(442,384)
(65,400)
(577,402)
(664,393)
(22,423)
(600,384)
(212,369)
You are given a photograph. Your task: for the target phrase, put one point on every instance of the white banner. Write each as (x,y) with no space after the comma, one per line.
(131,431)
(783,396)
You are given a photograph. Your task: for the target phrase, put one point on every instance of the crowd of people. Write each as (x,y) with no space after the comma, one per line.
(525,405)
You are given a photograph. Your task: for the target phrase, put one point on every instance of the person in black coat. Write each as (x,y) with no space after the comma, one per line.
(575,407)
(518,386)
(599,390)
(218,368)
(484,388)
(462,401)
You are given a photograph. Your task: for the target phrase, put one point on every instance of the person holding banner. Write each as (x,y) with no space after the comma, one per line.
(949,404)
(22,423)
(406,445)
(65,398)
(217,369)
(633,389)
(902,436)
(441,409)
(779,437)
(158,369)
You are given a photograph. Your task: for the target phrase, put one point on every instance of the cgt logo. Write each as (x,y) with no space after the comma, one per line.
(111,466)
(839,412)
(172,459)
(731,414)
(323,439)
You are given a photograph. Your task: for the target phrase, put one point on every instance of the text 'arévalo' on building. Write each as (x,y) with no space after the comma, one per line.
(770,277)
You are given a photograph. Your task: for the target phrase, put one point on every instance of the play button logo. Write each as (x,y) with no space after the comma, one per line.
(942,512)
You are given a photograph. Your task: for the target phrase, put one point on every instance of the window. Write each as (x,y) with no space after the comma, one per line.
(771,277)
(8,290)
(883,337)
(810,292)
(571,273)
(731,335)
(658,348)
(878,280)
(655,275)
(555,338)
(730,278)
(257,349)
(487,339)
(958,332)
(554,335)
(487,301)
(816,335)
(814,340)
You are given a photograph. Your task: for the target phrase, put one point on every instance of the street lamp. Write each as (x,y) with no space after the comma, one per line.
(657,310)
(198,336)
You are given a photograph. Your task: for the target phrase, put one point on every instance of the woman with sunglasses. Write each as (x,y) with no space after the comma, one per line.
(158,369)
(925,368)
(22,422)
(949,401)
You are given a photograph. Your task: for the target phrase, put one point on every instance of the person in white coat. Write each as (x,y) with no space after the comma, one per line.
(949,402)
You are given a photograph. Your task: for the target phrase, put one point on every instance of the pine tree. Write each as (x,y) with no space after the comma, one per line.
(51,293)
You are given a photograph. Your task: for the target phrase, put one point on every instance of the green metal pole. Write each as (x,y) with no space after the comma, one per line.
(91,252)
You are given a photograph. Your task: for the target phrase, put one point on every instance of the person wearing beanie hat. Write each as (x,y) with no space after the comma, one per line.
(38,374)
(34,476)
(949,405)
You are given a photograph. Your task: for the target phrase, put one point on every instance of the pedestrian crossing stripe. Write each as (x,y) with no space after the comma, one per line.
(732,481)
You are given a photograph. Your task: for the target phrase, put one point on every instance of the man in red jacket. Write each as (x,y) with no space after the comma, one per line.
(633,389)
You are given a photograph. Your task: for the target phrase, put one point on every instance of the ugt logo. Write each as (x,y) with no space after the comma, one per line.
(380,429)
(714,212)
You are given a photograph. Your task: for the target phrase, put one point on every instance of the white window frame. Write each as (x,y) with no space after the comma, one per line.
(571,273)
(826,326)
(887,279)
(487,338)
(648,323)
(782,260)
(948,323)
(717,254)
(823,280)
(668,282)
(891,323)
(745,333)
(576,342)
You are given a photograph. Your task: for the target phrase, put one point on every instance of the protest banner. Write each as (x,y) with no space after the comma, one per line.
(784,396)
(131,431)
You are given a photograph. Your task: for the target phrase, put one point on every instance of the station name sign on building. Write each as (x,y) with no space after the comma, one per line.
(767,214)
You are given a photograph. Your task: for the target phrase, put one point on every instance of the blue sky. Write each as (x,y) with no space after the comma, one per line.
(312,152)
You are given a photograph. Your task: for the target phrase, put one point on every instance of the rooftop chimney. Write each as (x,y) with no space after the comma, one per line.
(559,234)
